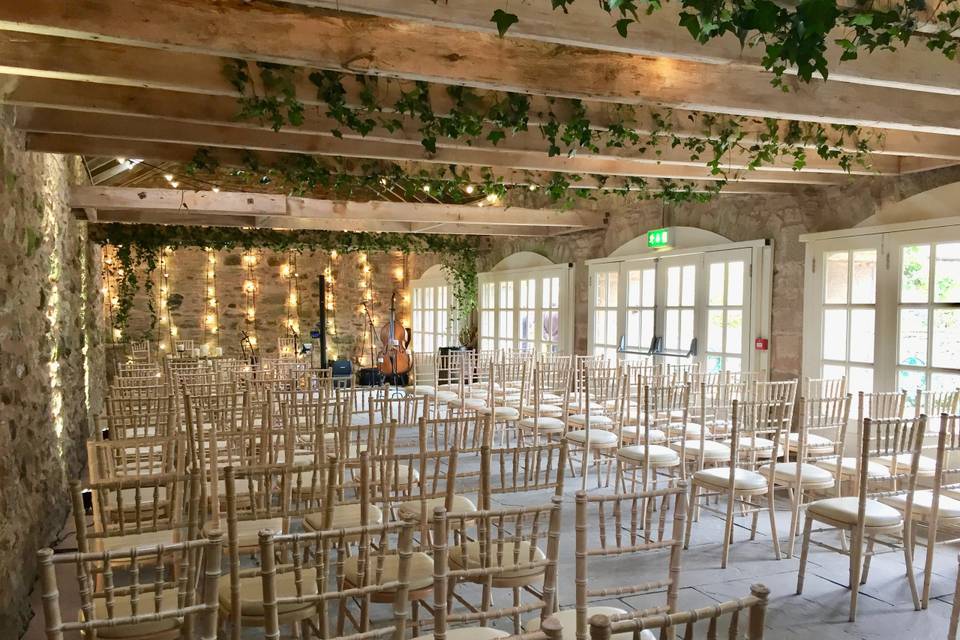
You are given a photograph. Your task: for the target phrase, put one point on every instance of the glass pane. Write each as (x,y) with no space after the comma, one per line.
(649,288)
(835,277)
(672,329)
(860,379)
(735,284)
(428,298)
(633,329)
(526,325)
(915,276)
(428,321)
(733,364)
(911,380)
(861,334)
(673,286)
(551,326)
(442,325)
(946,338)
(441,297)
(417,304)
(734,331)
(613,279)
(864,285)
(599,327)
(689,285)
(947,288)
(428,346)
(944,381)
(686,328)
(646,328)
(835,334)
(601,290)
(611,327)
(555,293)
(834,371)
(715,331)
(633,288)
(714,364)
(417,321)
(913,337)
(717,272)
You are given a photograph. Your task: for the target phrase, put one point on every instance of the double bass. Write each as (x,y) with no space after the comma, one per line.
(394,339)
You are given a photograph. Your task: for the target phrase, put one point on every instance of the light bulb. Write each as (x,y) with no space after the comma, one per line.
(216,189)
(334,254)
(398,273)
(491,198)
(248,286)
(174,331)
(470,188)
(212,258)
(285,271)
(211,291)
(168,177)
(426,188)
(533,187)
(253,341)
(174,184)
(293,299)
(211,318)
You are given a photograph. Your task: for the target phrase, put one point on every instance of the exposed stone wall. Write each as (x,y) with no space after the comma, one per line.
(188,284)
(49,288)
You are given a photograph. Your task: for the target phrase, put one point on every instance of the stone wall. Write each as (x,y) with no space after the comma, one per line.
(188,282)
(49,343)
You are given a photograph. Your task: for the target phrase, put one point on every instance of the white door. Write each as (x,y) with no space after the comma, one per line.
(727,345)
(927,268)
(677,284)
(604,325)
(639,291)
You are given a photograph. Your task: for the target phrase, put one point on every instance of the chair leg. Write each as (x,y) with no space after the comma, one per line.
(908,534)
(867,557)
(694,493)
(804,550)
(516,616)
(795,498)
(728,530)
(772,509)
(856,562)
(753,523)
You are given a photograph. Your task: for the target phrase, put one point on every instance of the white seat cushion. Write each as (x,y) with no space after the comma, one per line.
(445,396)
(345,516)
(251,593)
(712,450)
(815,443)
(471,404)
(545,409)
(502,413)
(421,570)
(578,405)
(632,432)
(568,620)
(544,423)
(505,555)
(411,510)
(845,510)
(420,390)
(923,502)
(595,420)
(550,398)
(751,443)
(810,474)
(848,467)
(660,456)
(744,479)
(926,467)
(597,437)
(691,429)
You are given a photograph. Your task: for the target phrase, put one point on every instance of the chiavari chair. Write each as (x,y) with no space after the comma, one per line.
(368,565)
(739,481)
(625,529)
(701,445)
(522,469)
(504,396)
(596,434)
(178,604)
(866,516)
(542,418)
(141,417)
(556,375)
(647,456)
(602,627)
(141,351)
(138,369)
(817,388)
(828,415)
(505,554)
(424,375)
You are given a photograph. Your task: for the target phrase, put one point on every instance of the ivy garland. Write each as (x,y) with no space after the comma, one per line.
(793,36)
(473,116)
(139,246)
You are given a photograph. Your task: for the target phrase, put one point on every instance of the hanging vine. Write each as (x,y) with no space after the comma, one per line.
(139,245)
(793,35)
(470,116)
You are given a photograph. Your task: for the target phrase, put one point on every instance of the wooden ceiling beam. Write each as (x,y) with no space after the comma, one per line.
(48,120)
(585,24)
(184,153)
(418,51)
(221,110)
(272,205)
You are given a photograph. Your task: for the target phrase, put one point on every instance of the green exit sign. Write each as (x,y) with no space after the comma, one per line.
(658,238)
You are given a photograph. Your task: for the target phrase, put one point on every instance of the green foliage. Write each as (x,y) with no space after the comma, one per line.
(138,246)
(795,35)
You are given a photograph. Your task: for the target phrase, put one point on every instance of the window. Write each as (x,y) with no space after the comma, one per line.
(606,338)
(526,309)
(883,309)
(678,299)
(434,322)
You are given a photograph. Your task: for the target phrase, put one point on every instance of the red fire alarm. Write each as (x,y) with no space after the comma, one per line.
(761,344)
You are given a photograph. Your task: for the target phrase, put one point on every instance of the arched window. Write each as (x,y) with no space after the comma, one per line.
(435,321)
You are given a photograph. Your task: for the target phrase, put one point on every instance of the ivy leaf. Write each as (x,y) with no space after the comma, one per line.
(504,20)
(691,23)
(862,20)
(496,136)
(622,25)
(430,144)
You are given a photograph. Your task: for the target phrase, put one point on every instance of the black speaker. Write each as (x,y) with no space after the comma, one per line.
(369,377)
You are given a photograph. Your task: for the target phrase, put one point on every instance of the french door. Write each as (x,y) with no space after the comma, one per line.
(698,303)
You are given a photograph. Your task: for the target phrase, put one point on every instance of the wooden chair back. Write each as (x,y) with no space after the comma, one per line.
(141,417)
(525,469)
(828,417)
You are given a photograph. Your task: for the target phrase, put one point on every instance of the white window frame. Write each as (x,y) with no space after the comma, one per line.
(435,281)
(509,337)
(888,241)
(759,281)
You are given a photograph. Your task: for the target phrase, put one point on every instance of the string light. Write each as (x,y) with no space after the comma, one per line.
(165,319)
(250,297)
(211,329)
(470,188)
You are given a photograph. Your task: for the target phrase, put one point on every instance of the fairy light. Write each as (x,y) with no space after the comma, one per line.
(328,301)
(211,328)
(163,302)
(109,289)
(470,189)
(250,297)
